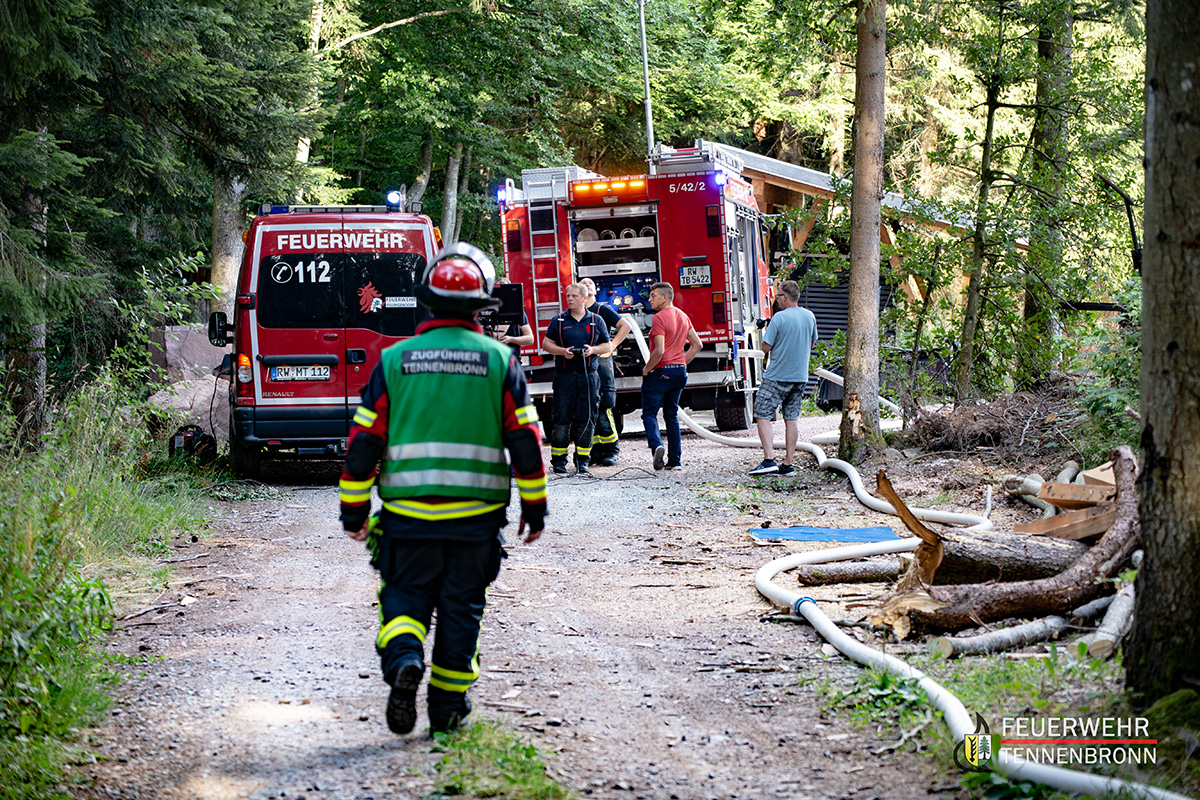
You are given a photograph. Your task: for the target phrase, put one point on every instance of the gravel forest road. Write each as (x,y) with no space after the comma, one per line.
(628,643)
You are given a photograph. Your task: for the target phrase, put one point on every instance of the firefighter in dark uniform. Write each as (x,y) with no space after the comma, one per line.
(575,337)
(437,416)
(606,447)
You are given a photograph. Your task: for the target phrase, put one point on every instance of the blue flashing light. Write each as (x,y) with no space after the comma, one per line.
(393,198)
(722,178)
(501,195)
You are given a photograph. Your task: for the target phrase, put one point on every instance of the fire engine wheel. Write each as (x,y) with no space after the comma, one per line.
(247,461)
(732,411)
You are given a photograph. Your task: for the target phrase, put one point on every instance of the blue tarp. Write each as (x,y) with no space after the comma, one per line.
(804,533)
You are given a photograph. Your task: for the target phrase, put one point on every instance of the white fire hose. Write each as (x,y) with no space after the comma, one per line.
(954,712)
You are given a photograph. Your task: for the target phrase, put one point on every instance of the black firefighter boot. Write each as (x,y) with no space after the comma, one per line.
(581,465)
(447,710)
(402,702)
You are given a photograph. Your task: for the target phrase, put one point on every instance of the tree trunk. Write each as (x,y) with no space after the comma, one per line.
(1163,653)
(860,416)
(304,144)
(966,350)
(450,194)
(945,608)
(424,170)
(967,557)
(464,188)
(1049,153)
(228,221)
(25,355)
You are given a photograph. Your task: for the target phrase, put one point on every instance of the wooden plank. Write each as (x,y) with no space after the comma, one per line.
(1101,475)
(1071,496)
(1073,524)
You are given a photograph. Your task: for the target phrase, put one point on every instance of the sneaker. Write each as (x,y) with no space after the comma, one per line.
(767,467)
(660,457)
(786,470)
(402,702)
(674,467)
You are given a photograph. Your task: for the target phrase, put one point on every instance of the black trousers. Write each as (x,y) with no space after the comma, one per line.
(576,396)
(604,440)
(419,575)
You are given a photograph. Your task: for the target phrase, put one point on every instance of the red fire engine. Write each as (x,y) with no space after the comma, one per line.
(692,223)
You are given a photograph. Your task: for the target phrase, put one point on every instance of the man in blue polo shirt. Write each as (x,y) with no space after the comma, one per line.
(788,339)
(575,338)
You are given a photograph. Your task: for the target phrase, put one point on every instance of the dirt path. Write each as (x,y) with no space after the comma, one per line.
(629,641)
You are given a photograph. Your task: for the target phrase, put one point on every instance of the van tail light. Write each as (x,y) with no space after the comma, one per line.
(245,375)
(513,235)
(536,361)
(718,308)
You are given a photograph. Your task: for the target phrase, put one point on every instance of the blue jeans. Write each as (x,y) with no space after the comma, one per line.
(661,389)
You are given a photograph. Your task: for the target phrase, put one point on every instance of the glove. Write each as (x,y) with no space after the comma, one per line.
(534,524)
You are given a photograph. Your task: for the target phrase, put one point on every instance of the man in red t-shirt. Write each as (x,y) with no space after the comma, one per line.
(665,374)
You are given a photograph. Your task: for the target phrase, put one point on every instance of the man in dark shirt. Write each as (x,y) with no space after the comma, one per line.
(575,338)
(605,445)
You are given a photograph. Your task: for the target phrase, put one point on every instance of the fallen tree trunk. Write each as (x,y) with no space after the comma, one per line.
(948,608)
(967,557)
(1004,639)
(978,556)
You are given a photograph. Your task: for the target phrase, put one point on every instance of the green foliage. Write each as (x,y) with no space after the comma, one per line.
(879,697)
(485,760)
(1111,356)
(75,510)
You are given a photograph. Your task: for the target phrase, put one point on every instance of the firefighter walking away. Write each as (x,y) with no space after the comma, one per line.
(437,416)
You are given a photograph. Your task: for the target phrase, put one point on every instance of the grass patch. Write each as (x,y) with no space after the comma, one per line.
(84,516)
(485,760)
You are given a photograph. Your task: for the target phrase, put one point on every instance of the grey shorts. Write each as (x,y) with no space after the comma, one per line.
(773,394)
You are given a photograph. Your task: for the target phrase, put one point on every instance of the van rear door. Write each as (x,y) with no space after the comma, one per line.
(383,262)
(298,331)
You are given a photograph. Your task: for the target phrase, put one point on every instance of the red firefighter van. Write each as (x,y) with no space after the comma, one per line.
(321,291)
(692,223)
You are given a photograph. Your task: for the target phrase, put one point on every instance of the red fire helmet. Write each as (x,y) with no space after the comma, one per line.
(458,279)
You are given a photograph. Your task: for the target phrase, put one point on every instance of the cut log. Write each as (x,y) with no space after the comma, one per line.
(1092,608)
(967,557)
(1081,524)
(950,608)
(866,571)
(1003,639)
(977,556)
(1072,496)
(1069,471)
(1026,489)
(1117,622)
